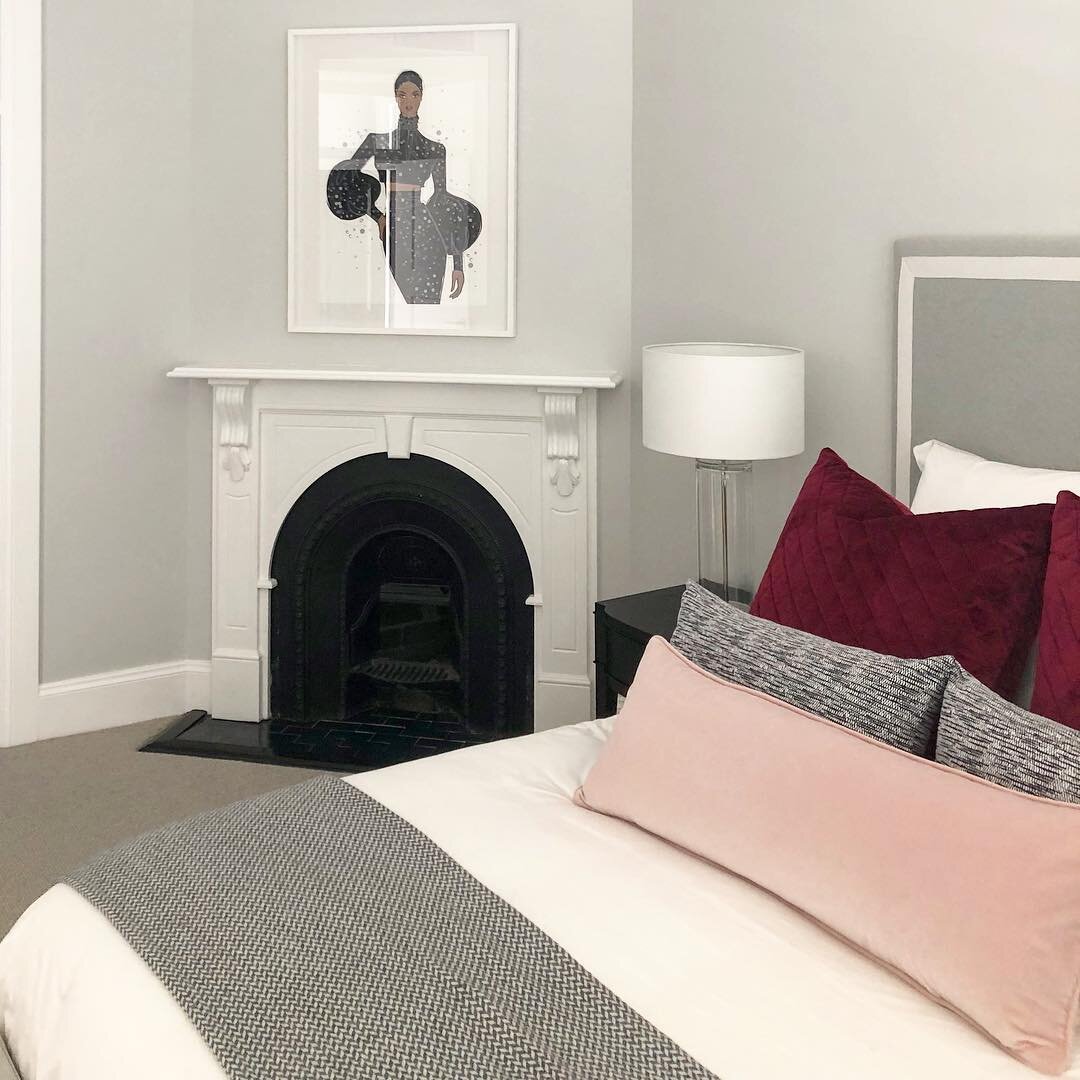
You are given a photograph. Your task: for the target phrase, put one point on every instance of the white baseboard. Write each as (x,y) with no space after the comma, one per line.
(114,698)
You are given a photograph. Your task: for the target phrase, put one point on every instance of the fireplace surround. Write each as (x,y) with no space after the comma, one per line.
(461,512)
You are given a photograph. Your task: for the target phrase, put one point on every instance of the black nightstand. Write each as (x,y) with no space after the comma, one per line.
(623,628)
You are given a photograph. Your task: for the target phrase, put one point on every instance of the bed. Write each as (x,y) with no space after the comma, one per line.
(716,973)
(746,985)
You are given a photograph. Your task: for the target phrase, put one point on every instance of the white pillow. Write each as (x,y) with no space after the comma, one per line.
(958,480)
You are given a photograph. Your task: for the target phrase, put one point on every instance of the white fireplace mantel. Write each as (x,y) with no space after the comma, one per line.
(605,380)
(530,440)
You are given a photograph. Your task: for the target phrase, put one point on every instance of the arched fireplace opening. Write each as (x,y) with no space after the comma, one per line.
(398,624)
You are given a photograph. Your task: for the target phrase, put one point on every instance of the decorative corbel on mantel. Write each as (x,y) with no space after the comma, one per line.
(234,425)
(562,436)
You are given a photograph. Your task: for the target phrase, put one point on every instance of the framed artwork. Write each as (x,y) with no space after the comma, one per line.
(402,153)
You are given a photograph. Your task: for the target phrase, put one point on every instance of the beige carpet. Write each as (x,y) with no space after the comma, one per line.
(63,800)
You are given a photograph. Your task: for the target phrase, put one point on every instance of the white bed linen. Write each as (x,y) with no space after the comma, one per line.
(748,986)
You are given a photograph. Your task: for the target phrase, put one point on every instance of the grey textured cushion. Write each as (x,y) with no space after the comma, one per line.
(896,701)
(985,735)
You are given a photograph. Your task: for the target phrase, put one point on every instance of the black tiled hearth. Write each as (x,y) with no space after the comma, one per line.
(352,745)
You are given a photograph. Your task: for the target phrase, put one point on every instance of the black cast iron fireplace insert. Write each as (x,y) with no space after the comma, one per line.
(398,624)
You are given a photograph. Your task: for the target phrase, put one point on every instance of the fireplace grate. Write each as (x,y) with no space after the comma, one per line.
(427,674)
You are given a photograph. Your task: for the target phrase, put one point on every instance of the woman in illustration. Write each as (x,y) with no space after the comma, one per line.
(419,237)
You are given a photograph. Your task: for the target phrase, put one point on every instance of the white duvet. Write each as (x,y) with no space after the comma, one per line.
(745,984)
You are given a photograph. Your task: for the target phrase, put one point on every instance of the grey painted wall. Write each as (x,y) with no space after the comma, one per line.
(575,96)
(165,244)
(781,148)
(116,317)
(778,151)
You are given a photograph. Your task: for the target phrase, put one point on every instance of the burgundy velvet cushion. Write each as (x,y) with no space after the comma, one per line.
(854,565)
(1057,670)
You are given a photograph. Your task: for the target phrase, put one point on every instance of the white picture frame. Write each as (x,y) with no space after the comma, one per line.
(443,180)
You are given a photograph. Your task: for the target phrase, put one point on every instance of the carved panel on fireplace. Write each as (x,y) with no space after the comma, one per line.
(400,610)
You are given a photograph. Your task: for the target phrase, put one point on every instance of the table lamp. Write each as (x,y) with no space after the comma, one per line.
(726,406)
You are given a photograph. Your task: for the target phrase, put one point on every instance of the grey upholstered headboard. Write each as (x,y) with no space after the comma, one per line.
(988,351)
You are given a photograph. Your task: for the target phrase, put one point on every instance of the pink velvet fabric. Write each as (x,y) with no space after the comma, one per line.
(1057,669)
(970,890)
(854,565)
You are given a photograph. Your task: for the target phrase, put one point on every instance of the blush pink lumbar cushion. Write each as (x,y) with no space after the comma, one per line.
(968,889)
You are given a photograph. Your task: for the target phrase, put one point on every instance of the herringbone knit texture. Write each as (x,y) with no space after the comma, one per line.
(313,933)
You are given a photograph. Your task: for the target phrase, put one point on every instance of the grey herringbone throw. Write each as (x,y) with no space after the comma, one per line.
(313,933)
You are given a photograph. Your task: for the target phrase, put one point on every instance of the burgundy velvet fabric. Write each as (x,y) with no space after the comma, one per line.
(855,565)
(1057,670)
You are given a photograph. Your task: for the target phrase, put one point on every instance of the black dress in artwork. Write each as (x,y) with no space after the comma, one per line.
(420,236)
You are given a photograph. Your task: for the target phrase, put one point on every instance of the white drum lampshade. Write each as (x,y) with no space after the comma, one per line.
(723,402)
(726,406)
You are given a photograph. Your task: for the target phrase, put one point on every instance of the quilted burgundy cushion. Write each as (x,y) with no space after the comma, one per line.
(1057,672)
(854,565)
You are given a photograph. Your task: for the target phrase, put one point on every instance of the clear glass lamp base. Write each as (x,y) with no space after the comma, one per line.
(723,516)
